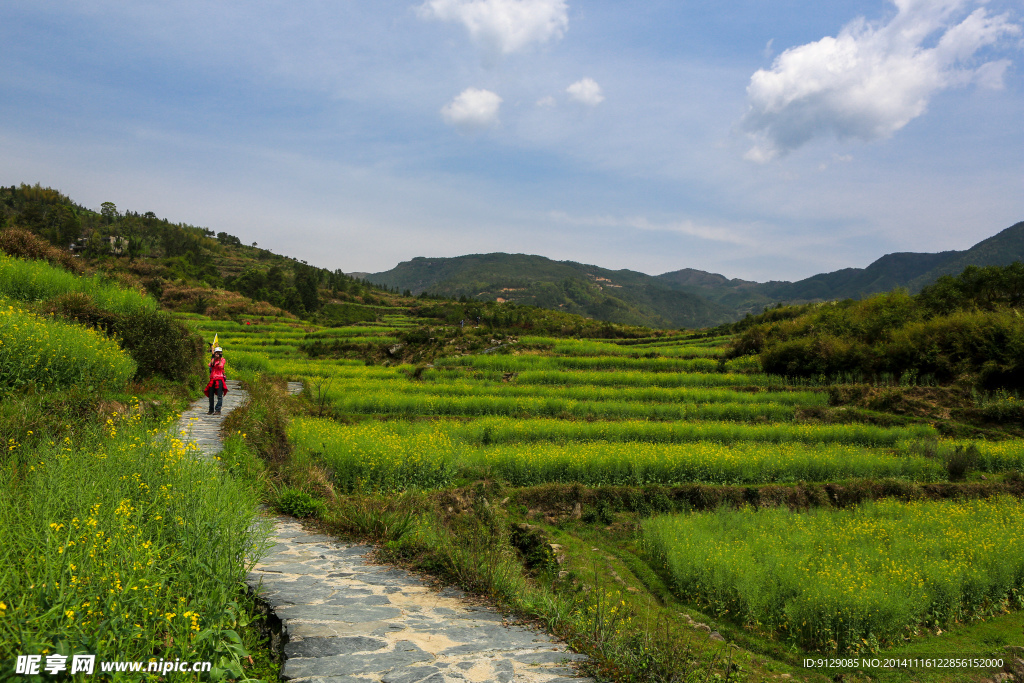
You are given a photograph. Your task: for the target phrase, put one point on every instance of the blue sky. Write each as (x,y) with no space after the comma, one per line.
(761,140)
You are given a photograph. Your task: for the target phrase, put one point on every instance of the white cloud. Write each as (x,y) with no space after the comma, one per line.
(501,27)
(990,75)
(586,91)
(715,233)
(873,78)
(547,101)
(472,110)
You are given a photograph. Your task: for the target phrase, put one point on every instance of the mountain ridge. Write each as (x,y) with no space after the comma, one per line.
(682,298)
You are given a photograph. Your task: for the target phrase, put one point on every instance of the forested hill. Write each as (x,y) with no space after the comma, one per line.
(184,267)
(910,270)
(682,298)
(620,296)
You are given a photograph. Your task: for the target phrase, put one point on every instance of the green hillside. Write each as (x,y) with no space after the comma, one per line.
(681,298)
(909,270)
(184,267)
(620,296)
(1001,249)
(195,269)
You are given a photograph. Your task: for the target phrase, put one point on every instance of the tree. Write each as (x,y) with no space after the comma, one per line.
(307,285)
(109,212)
(275,279)
(64,226)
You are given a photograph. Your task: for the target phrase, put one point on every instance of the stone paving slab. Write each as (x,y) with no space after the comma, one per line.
(349,621)
(345,620)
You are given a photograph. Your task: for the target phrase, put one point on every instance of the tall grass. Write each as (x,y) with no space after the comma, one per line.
(37,281)
(48,354)
(353,331)
(464,387)
(625,378)
(847,580)
(121,544)
(461,386)
(639,464)
(991,456)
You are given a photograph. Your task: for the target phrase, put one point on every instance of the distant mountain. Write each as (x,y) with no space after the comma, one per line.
(621,296)
(910,270)
(681,298)
(1001,249)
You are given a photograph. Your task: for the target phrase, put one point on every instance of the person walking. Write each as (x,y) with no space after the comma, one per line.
(217,386)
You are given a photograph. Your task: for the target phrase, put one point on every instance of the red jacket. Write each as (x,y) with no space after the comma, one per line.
(217,368)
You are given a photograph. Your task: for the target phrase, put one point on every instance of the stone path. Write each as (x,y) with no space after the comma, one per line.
(346,620)
(203,429)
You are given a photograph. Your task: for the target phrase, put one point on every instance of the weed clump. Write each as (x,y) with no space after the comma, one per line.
(299,504)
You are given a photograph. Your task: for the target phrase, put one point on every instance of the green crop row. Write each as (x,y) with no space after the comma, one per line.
(847,581)
(511,430)
(358,454)
(374,457)
(388,402)
(509,363)
(584,347)
(691,395)
(620,378)
(674,339)
(353,331)
(639,464)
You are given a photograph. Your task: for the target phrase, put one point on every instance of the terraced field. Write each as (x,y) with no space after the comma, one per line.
(670,412)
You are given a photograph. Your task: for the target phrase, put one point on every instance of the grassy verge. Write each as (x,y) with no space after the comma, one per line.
(125,546)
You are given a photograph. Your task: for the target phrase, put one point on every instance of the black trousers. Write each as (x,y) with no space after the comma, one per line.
(216,391)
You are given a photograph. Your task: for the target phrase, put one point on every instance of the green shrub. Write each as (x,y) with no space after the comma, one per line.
(337,315)
(161,345)
(24,244)
(943,333)
(960,460)
(299,504)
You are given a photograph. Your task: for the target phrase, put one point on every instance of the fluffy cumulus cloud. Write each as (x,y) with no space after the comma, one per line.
(873,78)
(586,91)
(501,27)
(472,110)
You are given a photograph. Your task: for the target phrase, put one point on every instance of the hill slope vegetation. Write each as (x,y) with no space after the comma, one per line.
(681,298)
